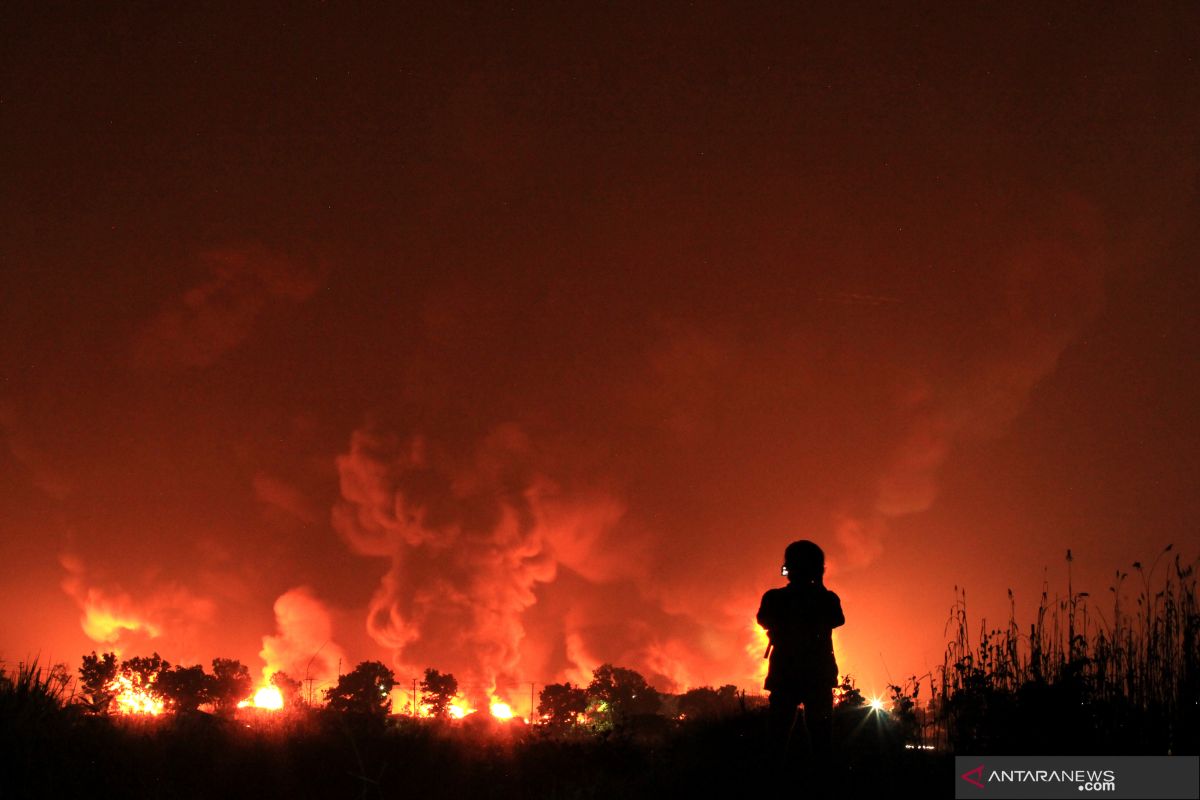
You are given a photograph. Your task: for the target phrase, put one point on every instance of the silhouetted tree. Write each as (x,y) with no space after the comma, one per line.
(186,688)
(561,704)
(95,679)
(437,690)
(617,694)
(707,702)
(230,684)
(144,675)
(288,688)
(366,690)
(145,671)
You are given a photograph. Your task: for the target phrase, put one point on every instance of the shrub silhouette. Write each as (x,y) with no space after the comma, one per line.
(706,702)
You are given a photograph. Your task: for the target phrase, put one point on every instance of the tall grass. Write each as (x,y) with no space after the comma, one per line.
(1080,680)
(32,693)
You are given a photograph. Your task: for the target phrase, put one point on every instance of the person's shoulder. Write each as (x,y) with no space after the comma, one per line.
(832,596)
(771,594)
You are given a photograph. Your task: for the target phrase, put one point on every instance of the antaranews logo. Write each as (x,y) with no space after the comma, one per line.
(1086,780)
(991,777)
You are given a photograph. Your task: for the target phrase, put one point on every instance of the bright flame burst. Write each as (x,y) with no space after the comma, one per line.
(457,708)
(268,697)
(500,709)
(130,697)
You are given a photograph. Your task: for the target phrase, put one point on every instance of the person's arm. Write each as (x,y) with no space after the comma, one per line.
(836,617)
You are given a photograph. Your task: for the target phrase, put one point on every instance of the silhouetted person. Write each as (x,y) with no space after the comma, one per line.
(799,619)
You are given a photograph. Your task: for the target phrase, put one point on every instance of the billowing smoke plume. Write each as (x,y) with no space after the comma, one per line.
(719,444)
(113,618)
(1048,289)
(214,317)
(303,645)
(468,539)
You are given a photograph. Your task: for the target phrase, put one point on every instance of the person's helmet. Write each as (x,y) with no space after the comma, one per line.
(804,560)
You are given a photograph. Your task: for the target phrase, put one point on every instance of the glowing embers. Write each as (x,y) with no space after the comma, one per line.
(131,697)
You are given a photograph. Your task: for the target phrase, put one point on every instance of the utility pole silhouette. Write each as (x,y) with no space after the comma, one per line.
(308,667)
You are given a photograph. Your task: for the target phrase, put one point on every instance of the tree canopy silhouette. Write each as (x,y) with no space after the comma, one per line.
(289,689)
(560,704)
(230,684)
(186,688)
(366,690)
(95,677)
(437,690)
(146,671)
(617,694)
(706,702)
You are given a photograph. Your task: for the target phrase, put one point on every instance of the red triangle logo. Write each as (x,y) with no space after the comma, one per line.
(977,780)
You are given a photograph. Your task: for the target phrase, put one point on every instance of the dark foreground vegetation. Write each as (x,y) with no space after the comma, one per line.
(1092,675)
(1123,680)
(326,754)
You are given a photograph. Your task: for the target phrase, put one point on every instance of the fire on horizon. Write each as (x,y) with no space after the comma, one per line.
(513,342)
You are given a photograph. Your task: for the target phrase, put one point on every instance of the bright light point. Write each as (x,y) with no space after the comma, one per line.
(501,710)
(876,704)
(268,697)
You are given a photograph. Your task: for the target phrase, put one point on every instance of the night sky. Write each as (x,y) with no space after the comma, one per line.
(515,340)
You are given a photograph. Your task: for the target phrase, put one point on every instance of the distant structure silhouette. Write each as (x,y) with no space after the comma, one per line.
(799,619)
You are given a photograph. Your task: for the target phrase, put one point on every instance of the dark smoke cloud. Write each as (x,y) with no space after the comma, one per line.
(496,571)
(215,316)
(469,538)
(37,464)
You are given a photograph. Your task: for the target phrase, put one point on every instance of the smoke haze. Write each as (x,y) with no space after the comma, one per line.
(511,344)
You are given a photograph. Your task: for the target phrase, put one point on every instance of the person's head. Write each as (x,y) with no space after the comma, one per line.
(805,561)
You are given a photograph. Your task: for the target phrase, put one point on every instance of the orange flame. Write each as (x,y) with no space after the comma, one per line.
(130,697)
(268,697)
(756,647)
(501,710)
(456,709)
